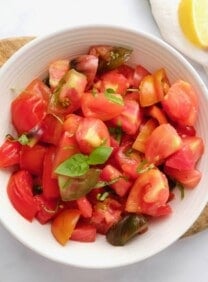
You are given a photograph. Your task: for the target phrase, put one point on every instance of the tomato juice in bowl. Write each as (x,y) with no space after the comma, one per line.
(31,62)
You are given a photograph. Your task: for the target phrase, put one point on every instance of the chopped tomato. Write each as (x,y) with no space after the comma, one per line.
(51,128)
(31,159)
(101,105)
(84,232)
(114,80)
(121,186)
(86,64)
(66,98)
(147,93)
(92,133)
(163,142)
(57,70)
(157,113)
(85,207)
(139,73)
(149,194)
(63,225)
(128,160)
(47,208)
(187,156)
(29,108)
(128,72)
(144,133)
(71,123)
(105,214)
(188,178)
(181,103)
(9,153)
(66,148)
(50,185)
(19,190)
(130,118)
(161,83)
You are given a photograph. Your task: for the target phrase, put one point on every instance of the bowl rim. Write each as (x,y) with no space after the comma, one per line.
(38,40)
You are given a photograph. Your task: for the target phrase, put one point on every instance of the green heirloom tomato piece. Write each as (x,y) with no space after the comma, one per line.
(110,57)
(125,229)
(73,188)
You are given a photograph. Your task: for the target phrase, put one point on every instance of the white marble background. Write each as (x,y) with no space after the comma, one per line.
(187,259)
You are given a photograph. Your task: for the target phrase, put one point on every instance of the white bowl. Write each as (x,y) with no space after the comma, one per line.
(32,61)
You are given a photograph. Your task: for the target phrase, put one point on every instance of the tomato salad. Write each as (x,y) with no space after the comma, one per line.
(100,146)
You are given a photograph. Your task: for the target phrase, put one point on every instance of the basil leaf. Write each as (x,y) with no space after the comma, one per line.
(72,188)
(75,166)
(144,166)
(100,155)
(114,98)
(23,139)
(101,184)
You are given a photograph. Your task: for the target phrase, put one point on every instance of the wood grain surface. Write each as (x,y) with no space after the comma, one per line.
(9,46)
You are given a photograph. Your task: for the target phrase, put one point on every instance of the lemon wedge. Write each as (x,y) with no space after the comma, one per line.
(193,20)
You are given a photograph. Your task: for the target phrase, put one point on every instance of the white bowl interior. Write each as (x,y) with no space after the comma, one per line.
(31,62)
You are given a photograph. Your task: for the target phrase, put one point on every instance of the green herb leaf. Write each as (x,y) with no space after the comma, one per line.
(181,189)
(102,197)
(23,139)
(75,166)
(101,184)
(144,166)
(100,155)
(72,188)
(112,97)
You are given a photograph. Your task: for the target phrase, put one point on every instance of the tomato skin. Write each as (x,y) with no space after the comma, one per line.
(181,103)
(29,108)
(127,161)
(105,214)
(99,106)
(85,207)
(161,83)
(187,157)
(50,185)
(122,186)
(31,159)
(114,80)
(92,133)
(163,142)
(143,135)
(147,93)
(66,148)
(157,113)
(47,208)
(189,178)
(63,225)
(19,191)
(71,123)
(149,194)
(67,97)
(84,233)
(128,72)
(130,117)
(9,153)
(52,129)
(57,70)
(86,64)
(139,73)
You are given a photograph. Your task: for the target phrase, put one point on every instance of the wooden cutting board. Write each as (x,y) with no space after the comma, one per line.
(9,46)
